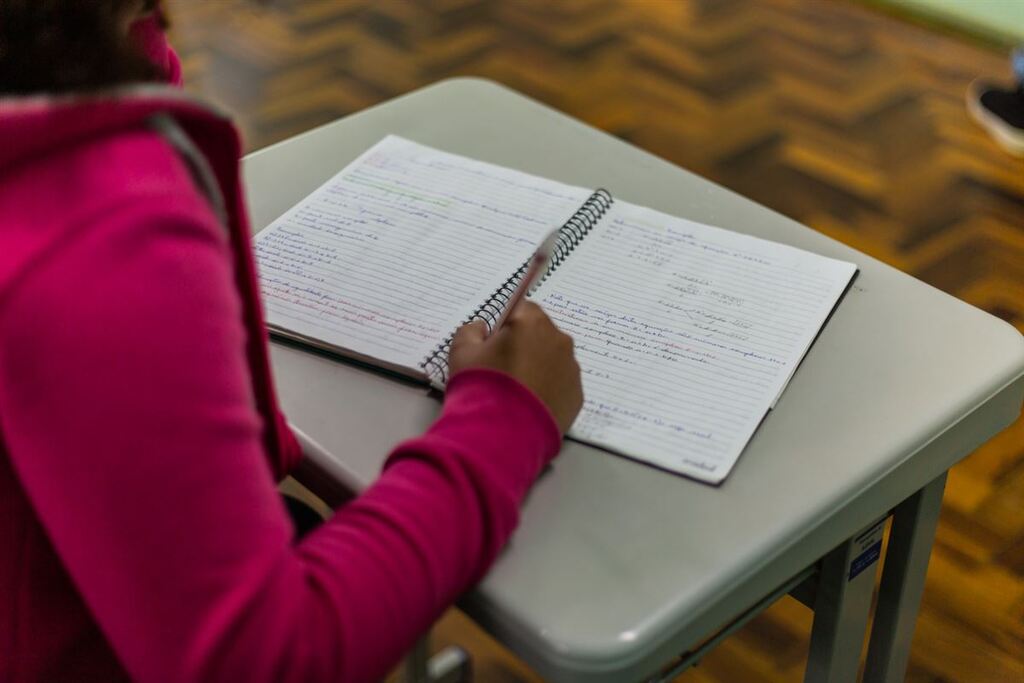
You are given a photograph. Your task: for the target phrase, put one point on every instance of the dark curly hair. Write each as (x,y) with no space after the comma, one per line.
(70,45)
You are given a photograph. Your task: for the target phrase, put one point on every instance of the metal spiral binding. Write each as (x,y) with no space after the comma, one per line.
(569,237)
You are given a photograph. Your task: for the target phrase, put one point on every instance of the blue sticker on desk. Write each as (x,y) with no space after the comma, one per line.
(865,559)
(868,548)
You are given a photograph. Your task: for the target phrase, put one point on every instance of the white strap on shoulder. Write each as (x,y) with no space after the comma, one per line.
(196,161)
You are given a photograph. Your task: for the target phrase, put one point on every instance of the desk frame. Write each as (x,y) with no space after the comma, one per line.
(841,608)
(881,443)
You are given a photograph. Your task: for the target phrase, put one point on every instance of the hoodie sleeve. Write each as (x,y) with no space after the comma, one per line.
(129,418)
(289,448)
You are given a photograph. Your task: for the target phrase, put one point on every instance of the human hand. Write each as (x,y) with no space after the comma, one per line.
(530,348)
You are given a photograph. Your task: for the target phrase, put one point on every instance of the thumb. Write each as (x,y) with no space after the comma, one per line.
(470,334)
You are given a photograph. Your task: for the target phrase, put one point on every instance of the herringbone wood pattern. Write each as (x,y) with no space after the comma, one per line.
(844,119)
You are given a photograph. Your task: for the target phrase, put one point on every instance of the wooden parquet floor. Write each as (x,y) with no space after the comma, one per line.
(845,119)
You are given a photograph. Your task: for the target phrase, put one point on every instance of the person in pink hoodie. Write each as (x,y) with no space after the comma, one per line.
(140,438)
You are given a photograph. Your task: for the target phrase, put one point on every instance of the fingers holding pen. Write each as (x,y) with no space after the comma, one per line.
(530,348)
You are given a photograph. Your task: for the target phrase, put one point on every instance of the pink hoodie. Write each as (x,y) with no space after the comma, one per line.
(140,439)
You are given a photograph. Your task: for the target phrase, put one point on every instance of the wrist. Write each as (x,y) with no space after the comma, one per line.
(507,405)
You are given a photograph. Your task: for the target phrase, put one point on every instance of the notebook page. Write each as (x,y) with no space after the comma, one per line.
(686,333)
(390,255)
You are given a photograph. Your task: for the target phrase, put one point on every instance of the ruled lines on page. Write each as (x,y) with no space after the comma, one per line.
(685,333)
(392,253)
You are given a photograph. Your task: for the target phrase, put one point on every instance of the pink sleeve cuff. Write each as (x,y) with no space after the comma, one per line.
(524,419)
(490,416)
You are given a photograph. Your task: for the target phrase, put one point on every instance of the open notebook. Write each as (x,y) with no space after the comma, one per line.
(686,333)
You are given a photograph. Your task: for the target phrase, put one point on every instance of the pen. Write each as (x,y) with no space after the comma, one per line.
(538,267)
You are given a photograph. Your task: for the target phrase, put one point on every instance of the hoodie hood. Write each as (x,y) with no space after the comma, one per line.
(30,126)
(148,34)
(34,126)
(41,130)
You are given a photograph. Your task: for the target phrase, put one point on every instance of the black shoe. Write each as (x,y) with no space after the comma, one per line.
(1000,111)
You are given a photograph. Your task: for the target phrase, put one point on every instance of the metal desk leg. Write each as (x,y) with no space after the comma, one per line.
(906,563)
(841,605)
(450,665)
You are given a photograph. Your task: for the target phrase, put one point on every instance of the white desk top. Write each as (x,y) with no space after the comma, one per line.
(617,566)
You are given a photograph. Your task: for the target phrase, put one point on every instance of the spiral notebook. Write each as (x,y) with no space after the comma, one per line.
(686,333)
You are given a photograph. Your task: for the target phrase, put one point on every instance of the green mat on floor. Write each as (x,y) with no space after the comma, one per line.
(998,21)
